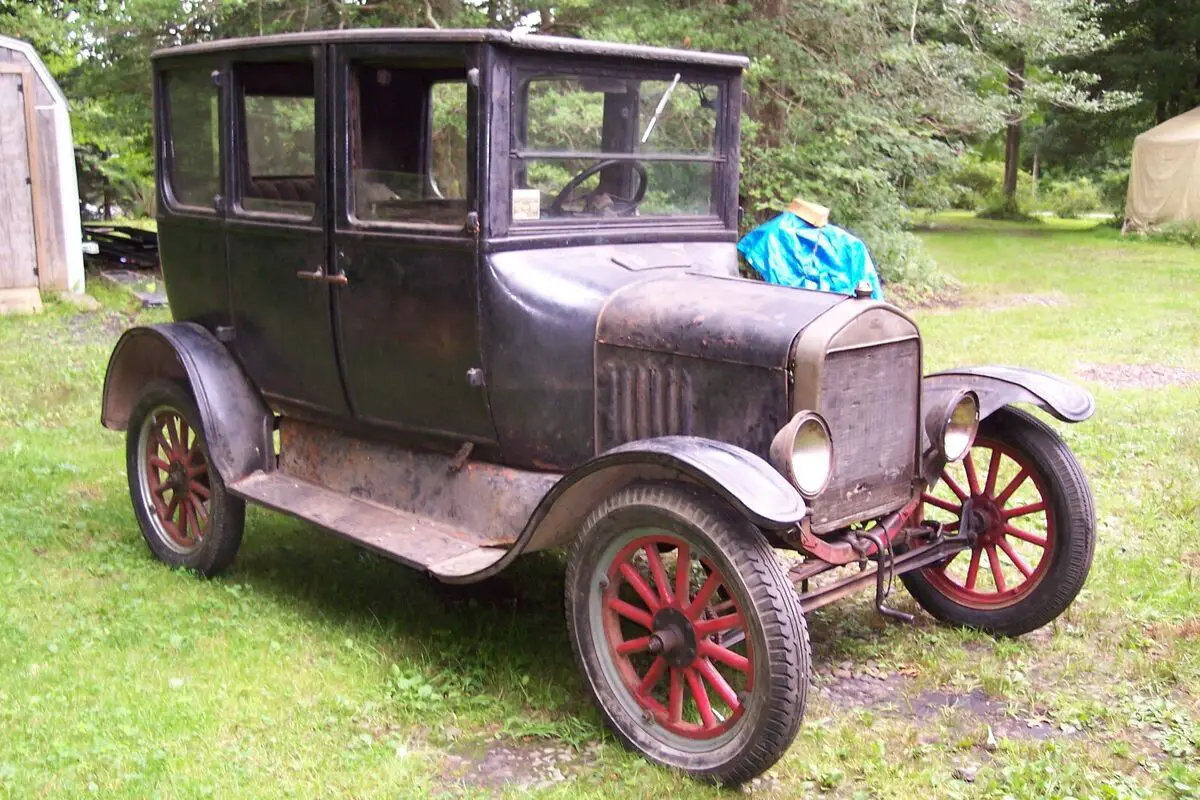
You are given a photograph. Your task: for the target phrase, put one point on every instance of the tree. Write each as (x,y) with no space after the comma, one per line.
(848,100)
(1025,43)
(1149,49)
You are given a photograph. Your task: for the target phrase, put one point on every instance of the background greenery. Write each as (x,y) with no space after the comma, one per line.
(870,107)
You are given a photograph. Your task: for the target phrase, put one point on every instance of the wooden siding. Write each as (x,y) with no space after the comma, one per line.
(18,232)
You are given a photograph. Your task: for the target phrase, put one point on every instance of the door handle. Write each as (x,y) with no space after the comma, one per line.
(319,274)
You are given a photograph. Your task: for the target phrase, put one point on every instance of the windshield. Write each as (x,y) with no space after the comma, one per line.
(614,147)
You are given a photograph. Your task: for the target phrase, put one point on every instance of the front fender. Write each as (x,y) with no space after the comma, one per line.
(749,484)
(237,423)
(999,386)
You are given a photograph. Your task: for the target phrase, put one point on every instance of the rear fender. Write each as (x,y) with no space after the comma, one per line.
(748,483)
(238,426)
(999,386)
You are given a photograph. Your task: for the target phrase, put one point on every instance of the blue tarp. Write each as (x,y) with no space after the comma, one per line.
(788,251)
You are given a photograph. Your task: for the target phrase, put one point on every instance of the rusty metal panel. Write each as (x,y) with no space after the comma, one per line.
(639,401)
(869,397)
(641,395)
(721,319)
(487,504)
(408,538)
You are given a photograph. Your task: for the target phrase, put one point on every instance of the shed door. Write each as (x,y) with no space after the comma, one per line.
(18,253)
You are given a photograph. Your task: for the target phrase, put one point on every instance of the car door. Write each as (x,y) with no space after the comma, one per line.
(407,318)
(276,230)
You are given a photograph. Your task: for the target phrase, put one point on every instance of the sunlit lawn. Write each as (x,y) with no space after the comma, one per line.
(311,669)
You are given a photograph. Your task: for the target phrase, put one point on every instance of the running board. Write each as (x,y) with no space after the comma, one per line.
(399,535)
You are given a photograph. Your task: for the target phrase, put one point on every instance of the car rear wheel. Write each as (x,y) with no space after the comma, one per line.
(187,517)
(688,634)
(1029,502)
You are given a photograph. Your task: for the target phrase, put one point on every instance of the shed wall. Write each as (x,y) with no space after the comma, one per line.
(55,193)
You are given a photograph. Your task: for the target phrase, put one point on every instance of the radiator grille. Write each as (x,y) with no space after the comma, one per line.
(869,397)
(640,401)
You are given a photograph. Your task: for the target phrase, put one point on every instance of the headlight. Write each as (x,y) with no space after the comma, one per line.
(803,452)
(952,426)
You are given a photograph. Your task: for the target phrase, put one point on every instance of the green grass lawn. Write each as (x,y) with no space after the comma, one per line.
(312,669)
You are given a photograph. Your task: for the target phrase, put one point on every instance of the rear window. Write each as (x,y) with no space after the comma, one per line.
(194,158)
(278,120)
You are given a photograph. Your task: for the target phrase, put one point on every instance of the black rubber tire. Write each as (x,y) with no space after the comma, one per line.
(1070,501)
(776,627)
(223,536)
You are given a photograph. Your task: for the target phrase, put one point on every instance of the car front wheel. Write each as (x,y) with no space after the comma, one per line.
(1028,501)
(186,515)
(688,634)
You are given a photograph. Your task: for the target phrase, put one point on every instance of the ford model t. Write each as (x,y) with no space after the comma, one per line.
(462,295)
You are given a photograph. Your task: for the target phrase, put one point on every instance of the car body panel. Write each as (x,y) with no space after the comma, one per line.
(998,386)
(237,423)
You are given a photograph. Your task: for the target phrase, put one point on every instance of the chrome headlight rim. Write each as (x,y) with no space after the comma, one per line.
(953,427)
(802,451)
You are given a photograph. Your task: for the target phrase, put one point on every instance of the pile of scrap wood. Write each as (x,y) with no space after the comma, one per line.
(121,247)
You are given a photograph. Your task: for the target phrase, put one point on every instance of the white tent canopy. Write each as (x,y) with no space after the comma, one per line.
(1164,178)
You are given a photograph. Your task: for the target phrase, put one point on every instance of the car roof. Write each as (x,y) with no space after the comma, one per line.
(551,44)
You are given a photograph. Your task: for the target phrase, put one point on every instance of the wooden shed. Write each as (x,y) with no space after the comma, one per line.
(40,232)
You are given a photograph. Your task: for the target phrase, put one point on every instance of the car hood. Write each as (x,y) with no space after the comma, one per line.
(714,318)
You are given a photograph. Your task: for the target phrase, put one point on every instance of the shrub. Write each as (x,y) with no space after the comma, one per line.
(1114,185)
(971,183)
(1071,199)
(1176,233)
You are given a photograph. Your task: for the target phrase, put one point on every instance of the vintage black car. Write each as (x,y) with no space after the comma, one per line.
(462,295)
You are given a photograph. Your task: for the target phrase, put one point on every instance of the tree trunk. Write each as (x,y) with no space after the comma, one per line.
(1012,131)
(1035,172)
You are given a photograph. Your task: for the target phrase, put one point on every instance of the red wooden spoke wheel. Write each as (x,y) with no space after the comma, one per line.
(687,631)
(1026,500)
(177,478)
(1005,498)
(186,516)
(670,624)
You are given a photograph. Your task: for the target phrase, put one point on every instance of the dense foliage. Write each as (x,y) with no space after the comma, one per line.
(849,103)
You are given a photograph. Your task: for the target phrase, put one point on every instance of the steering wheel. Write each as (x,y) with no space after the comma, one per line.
(621,205)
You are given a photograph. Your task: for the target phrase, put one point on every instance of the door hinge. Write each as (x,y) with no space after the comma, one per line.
(29,181)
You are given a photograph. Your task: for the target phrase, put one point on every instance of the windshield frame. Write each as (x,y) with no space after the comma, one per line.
(508,149)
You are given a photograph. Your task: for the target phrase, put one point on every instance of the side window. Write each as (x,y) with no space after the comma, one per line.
(194,165)
(278,124)
(408,144)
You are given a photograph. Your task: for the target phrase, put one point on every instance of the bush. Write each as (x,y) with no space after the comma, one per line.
(1176,233)
(1114,186)
(1072,199)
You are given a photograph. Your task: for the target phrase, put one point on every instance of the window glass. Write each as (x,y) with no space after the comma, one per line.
(279,134)
(409,167)
(194,168)
(614,146)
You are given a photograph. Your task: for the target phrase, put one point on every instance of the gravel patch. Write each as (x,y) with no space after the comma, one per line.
(998,302)
(508,764)
(1137,376)
(890,694)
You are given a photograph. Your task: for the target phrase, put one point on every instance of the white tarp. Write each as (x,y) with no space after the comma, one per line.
(1164,178)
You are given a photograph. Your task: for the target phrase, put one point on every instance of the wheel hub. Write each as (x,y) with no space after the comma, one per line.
(674,638)
(177,475)
(984,520)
